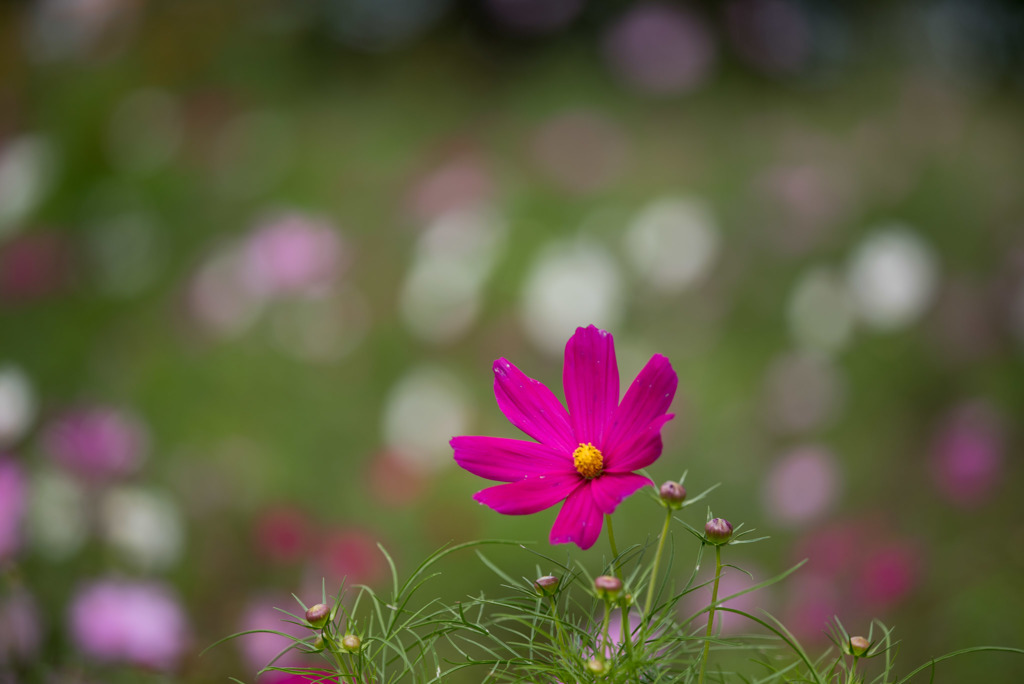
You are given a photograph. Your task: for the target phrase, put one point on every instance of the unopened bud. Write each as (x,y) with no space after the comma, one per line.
(546,585)
(318,643)
(672,494)
(318,615)
(597,666)
(607,587)
(351,643)
(859,645)
(718,530)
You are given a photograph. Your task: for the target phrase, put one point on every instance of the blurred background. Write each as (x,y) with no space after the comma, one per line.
(256,259)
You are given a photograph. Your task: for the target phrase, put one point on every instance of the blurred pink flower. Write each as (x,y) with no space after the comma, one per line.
(260,648)
(802,485)
(661,49)
(12,506)
(351,555)
(586,456)
(97,443)
(20,628)
(856,570)
(394,482)
(34,266)
(283,534)
(140,623)
(293,254)
(456,184)
(887,574)
(967,457)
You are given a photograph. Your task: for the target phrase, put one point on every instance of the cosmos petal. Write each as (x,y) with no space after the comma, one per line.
(611,488)
(579,521)
(508,460)
(590,377)
(642,451)
(532,407)
(529,495)
(646,400)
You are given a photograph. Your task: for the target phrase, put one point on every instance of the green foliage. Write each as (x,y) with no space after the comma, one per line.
(575,634)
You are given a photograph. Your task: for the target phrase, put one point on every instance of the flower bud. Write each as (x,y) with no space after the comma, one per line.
(672,494)
(318,643)
(351,643)
(607,587)
(597,666)
(859,645)
(718,530)
(546,585)
(318,615)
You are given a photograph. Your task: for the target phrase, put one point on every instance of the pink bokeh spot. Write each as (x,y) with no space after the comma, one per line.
(967,457)
(97,443)
(140,623)
(350,555)
(887,575)
(13,498)
(293,254)
(283,534)
(260,648)
(661,49)
(802,486)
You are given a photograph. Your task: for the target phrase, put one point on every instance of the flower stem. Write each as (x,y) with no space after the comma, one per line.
(558,627)
(657,564)
(615,549)
(604,630)
(711,612)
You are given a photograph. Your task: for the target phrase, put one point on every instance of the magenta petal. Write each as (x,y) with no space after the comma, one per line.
(579,521)
(532,407)
(647,399)
(530,495)
(590,377)
(508,460)
(642,451)
(611,488)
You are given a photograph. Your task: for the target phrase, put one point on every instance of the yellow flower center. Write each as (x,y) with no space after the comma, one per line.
(588,460)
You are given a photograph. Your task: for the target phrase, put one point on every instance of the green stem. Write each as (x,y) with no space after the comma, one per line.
(558,628)
(711,612)
(657,564)
(604,630)
(615,549)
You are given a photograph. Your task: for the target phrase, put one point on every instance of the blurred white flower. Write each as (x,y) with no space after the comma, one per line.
(571,284)
(57,522)
(144,526)
(820,312)
(17,404)
(454,256)
(672,243)
(27,168)
(892,276)
(422,412)
(220,297)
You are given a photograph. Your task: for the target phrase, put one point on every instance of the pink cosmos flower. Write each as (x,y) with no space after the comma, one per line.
(584,457)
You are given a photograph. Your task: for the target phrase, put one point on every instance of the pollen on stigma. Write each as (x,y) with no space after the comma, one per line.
(588,460)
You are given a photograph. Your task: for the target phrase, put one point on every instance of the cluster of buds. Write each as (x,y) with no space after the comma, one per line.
(319,618)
